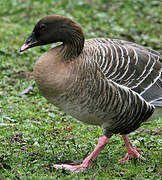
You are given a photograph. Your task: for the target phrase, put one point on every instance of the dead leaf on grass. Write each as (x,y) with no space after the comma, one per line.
(27,90)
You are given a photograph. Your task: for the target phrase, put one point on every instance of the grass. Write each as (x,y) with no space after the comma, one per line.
(35,134)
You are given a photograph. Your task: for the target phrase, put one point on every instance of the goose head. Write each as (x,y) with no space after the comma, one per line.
(55,28)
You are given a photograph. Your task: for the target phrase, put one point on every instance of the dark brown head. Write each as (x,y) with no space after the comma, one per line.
(54,28)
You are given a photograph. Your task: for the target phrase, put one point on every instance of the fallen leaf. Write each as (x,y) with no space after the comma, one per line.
(27,90)
(70,128)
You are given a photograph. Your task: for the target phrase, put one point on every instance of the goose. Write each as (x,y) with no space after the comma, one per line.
(111,83)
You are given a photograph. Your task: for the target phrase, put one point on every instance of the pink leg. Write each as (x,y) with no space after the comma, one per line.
(103,140)
(132,151)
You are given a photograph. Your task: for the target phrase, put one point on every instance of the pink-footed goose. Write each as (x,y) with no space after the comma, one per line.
(107,82)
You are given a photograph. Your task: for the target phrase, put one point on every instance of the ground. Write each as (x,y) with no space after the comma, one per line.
(34,134)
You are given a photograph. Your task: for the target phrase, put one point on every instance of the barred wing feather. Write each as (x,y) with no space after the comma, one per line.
(136,67)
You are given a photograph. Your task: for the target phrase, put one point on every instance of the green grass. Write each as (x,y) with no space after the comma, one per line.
(33,133)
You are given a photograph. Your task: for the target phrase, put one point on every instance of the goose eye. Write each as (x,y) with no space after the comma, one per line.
(43,27)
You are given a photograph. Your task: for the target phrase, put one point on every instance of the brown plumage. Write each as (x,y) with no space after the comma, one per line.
(111,83)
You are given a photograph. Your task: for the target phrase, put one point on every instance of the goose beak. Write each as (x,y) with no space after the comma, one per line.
(31,42)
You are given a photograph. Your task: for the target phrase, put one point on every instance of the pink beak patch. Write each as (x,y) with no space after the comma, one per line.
(24,47)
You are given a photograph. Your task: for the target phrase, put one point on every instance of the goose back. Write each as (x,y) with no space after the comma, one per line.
(130,65)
